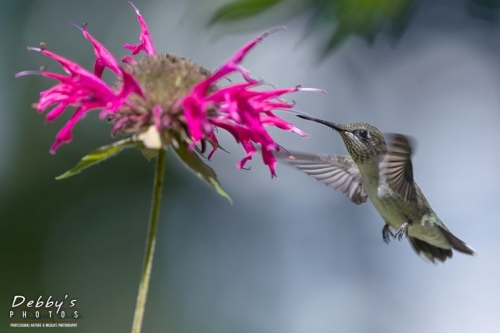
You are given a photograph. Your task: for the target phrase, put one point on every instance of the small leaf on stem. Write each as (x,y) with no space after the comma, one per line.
(98,155)
(194,163)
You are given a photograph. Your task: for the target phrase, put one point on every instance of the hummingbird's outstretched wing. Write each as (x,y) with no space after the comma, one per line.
(338,172)
(397,167)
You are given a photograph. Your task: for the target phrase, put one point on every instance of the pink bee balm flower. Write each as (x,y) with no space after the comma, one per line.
(170,94)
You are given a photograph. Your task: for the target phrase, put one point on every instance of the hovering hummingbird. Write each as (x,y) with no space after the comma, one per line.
(383,173)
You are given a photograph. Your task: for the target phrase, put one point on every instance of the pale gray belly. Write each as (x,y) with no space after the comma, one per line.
(396,211)
(391,209)
(390,206)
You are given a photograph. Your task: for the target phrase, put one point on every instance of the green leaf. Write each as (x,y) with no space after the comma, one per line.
(241,9)
(194,163)
(98,155)
(343,18)
(366,18)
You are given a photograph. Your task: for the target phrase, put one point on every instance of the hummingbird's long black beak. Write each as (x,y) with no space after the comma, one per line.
(324,122)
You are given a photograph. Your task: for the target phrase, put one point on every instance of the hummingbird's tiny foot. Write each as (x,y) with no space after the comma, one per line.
(402,231)
(386,231)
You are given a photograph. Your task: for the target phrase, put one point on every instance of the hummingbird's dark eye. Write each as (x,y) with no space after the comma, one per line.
(362,134)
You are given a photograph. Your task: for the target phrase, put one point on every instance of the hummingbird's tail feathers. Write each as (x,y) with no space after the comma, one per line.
(457,243)
(429,251)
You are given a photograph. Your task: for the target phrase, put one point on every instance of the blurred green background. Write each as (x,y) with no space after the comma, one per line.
(290,255)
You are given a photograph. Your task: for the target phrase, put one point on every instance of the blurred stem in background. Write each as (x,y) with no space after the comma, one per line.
(150,241)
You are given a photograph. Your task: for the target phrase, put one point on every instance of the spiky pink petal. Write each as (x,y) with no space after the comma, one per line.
(242,110)
(64,135)
(146,42)
(80,76)
(157,113)
(128,60)
(103,57)
(83,89)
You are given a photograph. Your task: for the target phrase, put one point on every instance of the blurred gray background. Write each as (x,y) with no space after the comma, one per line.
(290,255)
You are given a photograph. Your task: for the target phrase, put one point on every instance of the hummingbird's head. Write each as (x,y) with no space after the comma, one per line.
(362,140)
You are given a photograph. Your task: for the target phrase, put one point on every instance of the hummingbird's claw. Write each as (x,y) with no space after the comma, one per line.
(386,231)
(402,231)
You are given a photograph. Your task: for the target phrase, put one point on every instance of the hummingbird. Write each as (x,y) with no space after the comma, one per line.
(379,168)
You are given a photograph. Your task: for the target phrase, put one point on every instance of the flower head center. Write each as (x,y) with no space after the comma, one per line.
(164,80)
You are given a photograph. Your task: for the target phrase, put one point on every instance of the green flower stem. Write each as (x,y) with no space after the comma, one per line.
(150,241)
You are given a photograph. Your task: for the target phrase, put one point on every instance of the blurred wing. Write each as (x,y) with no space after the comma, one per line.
(397,167)
(338,172)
